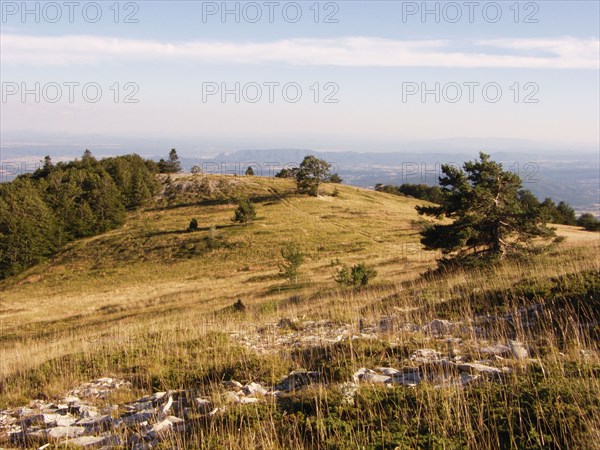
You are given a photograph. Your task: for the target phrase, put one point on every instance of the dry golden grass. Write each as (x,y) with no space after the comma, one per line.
(145,302)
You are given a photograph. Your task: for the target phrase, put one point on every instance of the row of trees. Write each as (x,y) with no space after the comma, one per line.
(60,202)
(421,191)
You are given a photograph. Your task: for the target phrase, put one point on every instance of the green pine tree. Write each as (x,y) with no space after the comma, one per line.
(245,212)
(489,217)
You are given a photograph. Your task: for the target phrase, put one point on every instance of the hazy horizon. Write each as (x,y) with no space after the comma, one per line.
(331,75)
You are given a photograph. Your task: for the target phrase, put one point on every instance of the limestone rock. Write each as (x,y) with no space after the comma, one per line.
(232,397)
(439,327)
(479,368)
(389,371)
(66,432)
(139,418)
(87,441)
(518,349)
(370,376)
(411,378)
(232,384)
(425,355)
(254,388)
(497,350)
(297,379)
(95,423)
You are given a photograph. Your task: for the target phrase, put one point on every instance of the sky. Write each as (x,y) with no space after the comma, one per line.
(325,75)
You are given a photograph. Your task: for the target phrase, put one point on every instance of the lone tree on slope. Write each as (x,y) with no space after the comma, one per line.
(311,173)
(490,215)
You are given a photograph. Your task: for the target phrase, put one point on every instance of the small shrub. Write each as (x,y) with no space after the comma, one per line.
(245,212)
(292,260)
(358,275)
(239,306)
(193,226)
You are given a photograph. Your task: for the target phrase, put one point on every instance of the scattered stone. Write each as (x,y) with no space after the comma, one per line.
(232,384)
(425,355)
(167,405)
(37,435)
(479,368)
(48,420)
(160,429)
(439,327)
(370,376)
(87,441)
(175,420)
(254,388)
(518,349)
(139,406)
(139,418)
(407,378)
(232,397)
(95,423)
(297,379)
(65,432)
(497,350)
(217,411)
(247,400)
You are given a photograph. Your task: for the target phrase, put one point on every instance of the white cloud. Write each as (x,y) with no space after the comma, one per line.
(563,53)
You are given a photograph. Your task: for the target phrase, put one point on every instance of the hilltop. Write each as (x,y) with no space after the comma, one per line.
(153,254)
(477,359)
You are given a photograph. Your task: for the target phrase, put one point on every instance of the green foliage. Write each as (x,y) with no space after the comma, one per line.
(245,212)
(61,202)
(133,177)
(293,258)
(589,222)
(172,165)
(287,173)
(170,191)
(561,214)
(27,227)
(491,216)
(358,275)
(193,226)
(239,306)
(335,178)
(311,173)
(249,171)
(431,194)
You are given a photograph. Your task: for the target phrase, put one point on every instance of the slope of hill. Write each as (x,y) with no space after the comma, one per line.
(482,359)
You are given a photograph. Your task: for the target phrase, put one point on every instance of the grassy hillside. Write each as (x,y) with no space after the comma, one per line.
(151,303)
